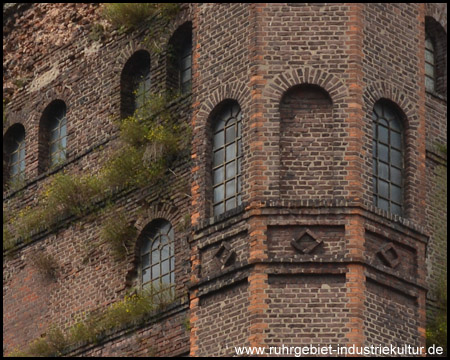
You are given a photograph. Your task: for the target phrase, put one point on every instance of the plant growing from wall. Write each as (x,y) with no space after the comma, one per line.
(46,265)
(151,140)
(132,310)
(128,16)
(119,233)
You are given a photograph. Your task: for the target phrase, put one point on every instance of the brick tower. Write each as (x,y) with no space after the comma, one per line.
(308,208)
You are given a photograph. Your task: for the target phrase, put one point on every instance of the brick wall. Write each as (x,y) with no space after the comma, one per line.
(307,258)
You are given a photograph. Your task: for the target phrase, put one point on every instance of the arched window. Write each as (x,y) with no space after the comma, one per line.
(430,70)
(227,154)
(14,152)
(135,83)
(179,70)
(53,135)
(388,162)
(435,57)
(157,255)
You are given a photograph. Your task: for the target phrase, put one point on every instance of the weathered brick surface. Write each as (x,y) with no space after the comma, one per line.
(306,309)
(306,77)
(223,321)
(391,317)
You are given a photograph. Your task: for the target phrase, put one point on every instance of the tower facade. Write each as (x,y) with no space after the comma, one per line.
(305,208)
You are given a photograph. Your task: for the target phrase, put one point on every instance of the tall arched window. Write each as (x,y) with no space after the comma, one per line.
(157,255)
(135,83)
(179,64)
(227,155)
(14,152)
(435,57)
(430,71)
(388,162)
(53,136)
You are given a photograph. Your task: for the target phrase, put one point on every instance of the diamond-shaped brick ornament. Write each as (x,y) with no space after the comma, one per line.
(305,242)
(225,256)
(389,255)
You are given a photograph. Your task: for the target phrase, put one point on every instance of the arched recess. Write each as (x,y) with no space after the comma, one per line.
(273,93)
(306,144)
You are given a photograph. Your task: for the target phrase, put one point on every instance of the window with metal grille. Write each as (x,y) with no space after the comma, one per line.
(14,143)
(430,66)
(157,256)
(227,156)
(57,128)
(387,158)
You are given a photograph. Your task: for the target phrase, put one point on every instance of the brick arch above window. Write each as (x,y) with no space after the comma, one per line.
(276,88)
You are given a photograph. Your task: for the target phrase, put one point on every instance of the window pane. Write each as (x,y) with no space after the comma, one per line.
(155,271)
(145,261)
(145,276)
(186,75)
(429,70)
(396,158)
(218,209)
(383,134)
(230,204)
(383,189)
(230,189)
(165,267)
(396,140)
(230,152)
(396,194)
(383,204)
(165,252)
(429,83)
(230,134)
(63,130)
(218,157)
(218,175)
(396,176)
(218,193)
(383,152)
(155,244)
(145,247)
(383,170)
(155,257)
(218,140)
(186,62)
(375,185)
(429,57)
(166,279)
(230,170)
(396,209)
